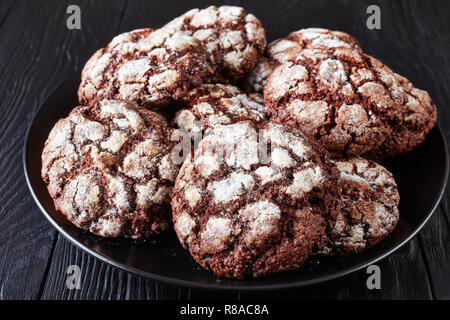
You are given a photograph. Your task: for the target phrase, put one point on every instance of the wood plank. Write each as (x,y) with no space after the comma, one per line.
(36,54)
(5,8)
(434,239)
(99,280)
(26,239)
(401,278)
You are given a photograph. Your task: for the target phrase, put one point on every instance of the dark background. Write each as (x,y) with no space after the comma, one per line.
(37,52)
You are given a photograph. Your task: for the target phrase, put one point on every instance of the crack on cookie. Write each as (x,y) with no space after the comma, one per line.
(150,67)
(368,209)
(233,39)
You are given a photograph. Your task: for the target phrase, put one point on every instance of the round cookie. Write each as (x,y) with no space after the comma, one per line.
(109,170)
(149,67)
(286,48)
(234,40)
(242,214)
(348,101)
(212,104)
(368,210)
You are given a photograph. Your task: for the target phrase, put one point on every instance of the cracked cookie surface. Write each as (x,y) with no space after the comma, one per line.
(109,170)
(234,40)
(350,102)
(368,210)
(286,48)
(212,104)
(242,214)
(146,66)
(417,115)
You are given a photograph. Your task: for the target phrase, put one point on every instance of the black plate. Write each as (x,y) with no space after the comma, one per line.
(421,176)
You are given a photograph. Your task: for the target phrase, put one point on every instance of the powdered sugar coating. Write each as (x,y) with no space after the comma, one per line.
(108,169)
(239,222)
(281,158)
(216,235)
(150,67)
(213,104)
(231,188)
(234,40)
(262,218)
(305,181)
(369,207)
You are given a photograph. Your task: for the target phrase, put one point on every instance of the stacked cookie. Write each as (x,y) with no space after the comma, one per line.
(284,165)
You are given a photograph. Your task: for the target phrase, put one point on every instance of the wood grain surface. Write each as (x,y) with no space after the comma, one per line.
(37,52)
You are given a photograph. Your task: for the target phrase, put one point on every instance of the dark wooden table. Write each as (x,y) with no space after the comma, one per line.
(37,51)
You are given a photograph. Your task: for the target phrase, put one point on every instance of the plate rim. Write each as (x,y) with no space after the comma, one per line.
(217,286)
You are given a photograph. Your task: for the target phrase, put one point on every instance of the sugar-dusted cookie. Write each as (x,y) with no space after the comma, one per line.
(246,214)
(109,169)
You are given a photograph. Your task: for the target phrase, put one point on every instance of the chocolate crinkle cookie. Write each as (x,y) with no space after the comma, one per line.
(109,169)
(286,48)
(234,40)
(350,102)
(368,208)
(242,214)
(149,67)
(212,104)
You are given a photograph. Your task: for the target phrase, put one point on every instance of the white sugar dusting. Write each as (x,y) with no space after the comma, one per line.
(133,71)
(279,136)
(184,224)
(281,158)
(332,73)
(232,187)
(204,18)
(123,116)
(207,164)
(262,218)
(305,180)
(217,231)
(285,77)
(115,141)
(193,195)
(118,192)
(267,174)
